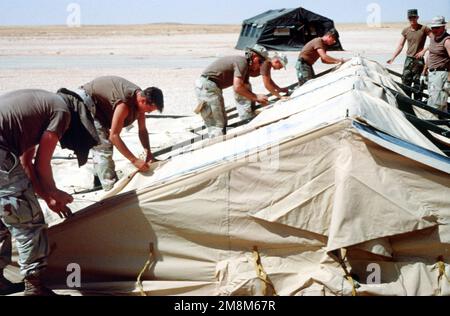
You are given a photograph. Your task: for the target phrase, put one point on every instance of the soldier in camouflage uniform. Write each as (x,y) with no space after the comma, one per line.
(212,106)
(222,74)
(416,36)
(29,118)
(118,104)
(412,72)
(244,106)
(312,51)
(22,218)
(439,65)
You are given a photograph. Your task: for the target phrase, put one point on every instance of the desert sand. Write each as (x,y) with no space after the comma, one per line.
(169,56)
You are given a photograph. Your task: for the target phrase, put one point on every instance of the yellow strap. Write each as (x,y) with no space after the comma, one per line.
(352,283)
(144,269)
(442,273)
(261,274)
(341,258)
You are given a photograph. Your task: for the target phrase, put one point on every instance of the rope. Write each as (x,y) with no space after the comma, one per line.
(347,276)
(440,265)
(442,273)
(352,283)
(261,274)
(144,269)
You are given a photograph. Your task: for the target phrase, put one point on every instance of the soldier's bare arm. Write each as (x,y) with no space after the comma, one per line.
(120,114)
(144,137)
(57,200)
(240,88)
(447,46)
(26,161)
(399,49)
(326,59)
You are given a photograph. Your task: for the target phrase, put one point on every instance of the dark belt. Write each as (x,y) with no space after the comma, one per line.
(303,61)
(414,58)
(210,79)
(438,69)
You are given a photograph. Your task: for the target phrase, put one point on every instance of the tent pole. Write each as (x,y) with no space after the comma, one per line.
(407,100)
(396,74)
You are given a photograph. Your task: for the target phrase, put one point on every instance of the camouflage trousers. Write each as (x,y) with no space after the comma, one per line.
(439,90)
(21,217)
(213,110)
(412,71)
(244,106)
(104,166)
(305,72)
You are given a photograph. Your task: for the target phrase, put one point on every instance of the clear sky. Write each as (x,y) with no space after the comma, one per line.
(50,12)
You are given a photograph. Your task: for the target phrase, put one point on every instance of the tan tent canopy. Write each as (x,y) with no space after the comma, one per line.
(334,183)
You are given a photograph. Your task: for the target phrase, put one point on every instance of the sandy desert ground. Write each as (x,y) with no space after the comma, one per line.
(169,56)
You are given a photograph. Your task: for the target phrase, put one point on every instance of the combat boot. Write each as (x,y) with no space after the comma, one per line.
(34,286)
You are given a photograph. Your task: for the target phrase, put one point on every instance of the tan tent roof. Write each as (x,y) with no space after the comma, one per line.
(334,180)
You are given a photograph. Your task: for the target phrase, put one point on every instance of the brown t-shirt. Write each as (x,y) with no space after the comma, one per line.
(416,39)
(439,57)
(108,92)
(225,69)
(26,114)
(309,52)
(266,68)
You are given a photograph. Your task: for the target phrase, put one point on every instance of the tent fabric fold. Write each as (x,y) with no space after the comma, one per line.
(308,177)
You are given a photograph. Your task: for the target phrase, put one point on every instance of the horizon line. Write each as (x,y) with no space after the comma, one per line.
(164,23)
